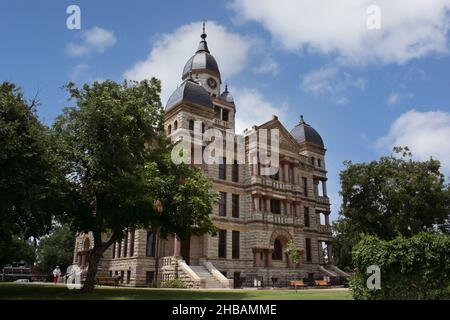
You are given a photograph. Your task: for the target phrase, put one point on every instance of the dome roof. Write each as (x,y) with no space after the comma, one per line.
(226,95)
(190,92)
(201,60)
(303,132)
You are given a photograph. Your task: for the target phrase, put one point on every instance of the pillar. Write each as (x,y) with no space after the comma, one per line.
(256,203)
(176,246)
(324,188)
(286,172)
(269,257)
(268,208)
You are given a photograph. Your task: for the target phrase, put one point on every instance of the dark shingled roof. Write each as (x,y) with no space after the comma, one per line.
(200,61)
(226,95)
(190,92)
(303,132)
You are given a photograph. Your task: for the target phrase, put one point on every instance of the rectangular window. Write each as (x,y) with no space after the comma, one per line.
(122,274)
(225,114)
(149,277)
(151,243)
(217,111)
(222,243)
(306,216)
(223,169)
(128,276)
(308,249)
(305,186)
(235,172)
(119,249)
(319,163)
(114,250)
(132,234)
(235,206)
(235,244)
(275,206)
(191,125)
(125,245)
(223,204)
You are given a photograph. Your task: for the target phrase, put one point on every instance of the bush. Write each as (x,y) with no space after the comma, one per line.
(174,283)
(411,268)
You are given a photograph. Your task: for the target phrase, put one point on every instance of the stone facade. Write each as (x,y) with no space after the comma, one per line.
(265,213)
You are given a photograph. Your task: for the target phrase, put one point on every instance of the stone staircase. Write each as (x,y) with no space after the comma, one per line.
(210,280)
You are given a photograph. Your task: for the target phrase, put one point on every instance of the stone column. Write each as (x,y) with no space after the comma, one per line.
(286,172)
(268,205)
(324,188)
(316,187)
(257,256)
(176,246)
(256,203)
(269,257)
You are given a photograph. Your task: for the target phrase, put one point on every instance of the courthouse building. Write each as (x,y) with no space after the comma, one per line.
(257,215)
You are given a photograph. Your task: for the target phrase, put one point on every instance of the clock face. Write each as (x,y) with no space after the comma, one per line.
(212,83)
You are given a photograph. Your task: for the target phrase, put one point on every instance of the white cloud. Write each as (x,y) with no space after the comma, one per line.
(94,40)
(169,54)
(331,81)
(395,97)
(425,133)
(409,28)
(254,109)
(78,72)
(268,66)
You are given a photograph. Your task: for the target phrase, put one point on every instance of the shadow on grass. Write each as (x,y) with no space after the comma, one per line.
(13,291)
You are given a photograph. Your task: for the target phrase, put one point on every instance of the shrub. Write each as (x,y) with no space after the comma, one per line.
(411,268)
(174,283)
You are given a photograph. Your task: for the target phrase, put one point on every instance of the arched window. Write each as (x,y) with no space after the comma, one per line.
(169,129)
(151,243)
(278,250)
(175,125)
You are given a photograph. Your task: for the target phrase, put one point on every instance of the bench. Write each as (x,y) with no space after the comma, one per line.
(105,281)
(297,283)
(321,283)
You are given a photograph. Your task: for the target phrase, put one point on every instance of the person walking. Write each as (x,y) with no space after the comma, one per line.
(56,274)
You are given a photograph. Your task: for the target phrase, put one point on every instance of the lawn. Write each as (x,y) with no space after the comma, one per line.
(13,291)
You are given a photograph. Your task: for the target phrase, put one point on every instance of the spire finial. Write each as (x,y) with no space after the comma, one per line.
(301,119)
(226,87)
(203,36)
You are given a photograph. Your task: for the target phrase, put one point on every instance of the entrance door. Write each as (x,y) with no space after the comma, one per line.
(185,249)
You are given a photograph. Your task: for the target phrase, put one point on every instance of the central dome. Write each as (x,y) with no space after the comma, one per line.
(201,61)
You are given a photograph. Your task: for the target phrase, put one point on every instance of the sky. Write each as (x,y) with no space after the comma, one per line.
(367,75)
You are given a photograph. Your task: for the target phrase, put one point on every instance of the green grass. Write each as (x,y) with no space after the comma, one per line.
(13,291)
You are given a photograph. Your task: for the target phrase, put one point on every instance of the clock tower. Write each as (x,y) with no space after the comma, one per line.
(203,68)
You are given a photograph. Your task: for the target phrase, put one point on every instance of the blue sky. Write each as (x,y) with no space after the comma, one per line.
(363,89)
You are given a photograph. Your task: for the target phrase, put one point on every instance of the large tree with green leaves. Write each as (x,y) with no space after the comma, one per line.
(115,154)
(389,197)
(30,183)
(55,249)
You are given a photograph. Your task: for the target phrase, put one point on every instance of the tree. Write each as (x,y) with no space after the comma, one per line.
(293,252)
(417,267)
(390,197)
(55,249)
(115,154)
(29,181)
(17,249)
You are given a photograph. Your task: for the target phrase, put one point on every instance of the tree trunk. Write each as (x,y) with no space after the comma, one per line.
(94,260)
